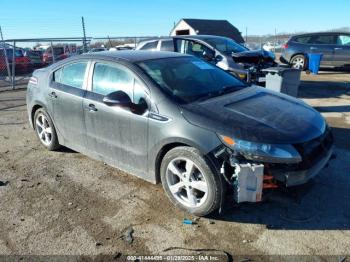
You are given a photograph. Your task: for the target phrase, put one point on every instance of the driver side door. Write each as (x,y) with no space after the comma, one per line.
(115,135)
(191,47)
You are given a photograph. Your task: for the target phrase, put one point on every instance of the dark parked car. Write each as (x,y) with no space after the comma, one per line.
(222,51)
(173,118)
(22,63)
(58,52)
(35,56)
(97,49)
(335,47)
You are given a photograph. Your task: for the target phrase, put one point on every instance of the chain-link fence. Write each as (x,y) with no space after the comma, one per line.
(20,57)
(268,42)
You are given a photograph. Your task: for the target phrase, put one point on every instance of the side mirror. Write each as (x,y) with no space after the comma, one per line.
(117,98)
(218,58)
(208,55)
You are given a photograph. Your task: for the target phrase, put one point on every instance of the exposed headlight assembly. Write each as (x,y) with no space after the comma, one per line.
(272,153)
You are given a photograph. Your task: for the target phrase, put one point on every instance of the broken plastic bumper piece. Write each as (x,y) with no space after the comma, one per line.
(294,178)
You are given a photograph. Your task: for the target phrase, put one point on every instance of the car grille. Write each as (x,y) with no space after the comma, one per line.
(311,151)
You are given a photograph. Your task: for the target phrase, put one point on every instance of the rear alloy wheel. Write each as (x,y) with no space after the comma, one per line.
(189,181)
(45,130)
(298,62)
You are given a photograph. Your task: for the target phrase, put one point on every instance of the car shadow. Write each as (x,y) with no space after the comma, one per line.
(342,140)
(336,109)
(64,149)
(321,204)
(323,89)
(334,71)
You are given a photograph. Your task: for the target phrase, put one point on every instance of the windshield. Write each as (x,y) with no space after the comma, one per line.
(188,79)
(226,45)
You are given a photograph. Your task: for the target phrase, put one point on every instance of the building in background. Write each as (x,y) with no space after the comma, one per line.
(207,27)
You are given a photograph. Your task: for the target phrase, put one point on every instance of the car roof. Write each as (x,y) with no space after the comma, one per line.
(322,33)
(133,55)
(201,37)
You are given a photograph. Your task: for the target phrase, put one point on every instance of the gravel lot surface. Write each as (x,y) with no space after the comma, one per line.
(66,203)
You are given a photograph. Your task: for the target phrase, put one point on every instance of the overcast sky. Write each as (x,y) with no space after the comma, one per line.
(62,18)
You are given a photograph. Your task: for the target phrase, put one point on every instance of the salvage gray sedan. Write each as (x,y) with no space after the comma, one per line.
(175,119)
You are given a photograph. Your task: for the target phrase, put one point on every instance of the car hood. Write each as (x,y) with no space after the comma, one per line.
(258,115)
(253,57)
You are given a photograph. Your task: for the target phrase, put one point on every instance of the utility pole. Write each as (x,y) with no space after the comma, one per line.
(84,35)
(246,35)
(274,48)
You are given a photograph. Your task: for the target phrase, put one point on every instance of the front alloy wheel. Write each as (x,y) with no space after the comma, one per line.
(186,182)
(191,181)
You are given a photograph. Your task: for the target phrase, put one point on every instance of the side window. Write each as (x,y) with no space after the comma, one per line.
(110,78)
(150,46)
(140,98)
(167,45)
(343,40)
(303,39)
(71,75)
(323,39)
(57,75)
(194,48)
(140,93)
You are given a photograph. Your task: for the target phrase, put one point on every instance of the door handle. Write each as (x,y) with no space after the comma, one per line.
(313,48)
(338,48)
(53,95)
(92,108)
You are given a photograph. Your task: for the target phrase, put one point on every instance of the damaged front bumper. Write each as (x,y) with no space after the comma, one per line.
(299,177)
(249,178)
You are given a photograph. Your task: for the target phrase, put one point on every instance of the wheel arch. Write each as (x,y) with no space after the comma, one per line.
(171,145)
(299,53)
(35,107)
(161,153)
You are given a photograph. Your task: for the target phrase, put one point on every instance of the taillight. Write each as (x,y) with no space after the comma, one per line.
(33,80)
(285,46)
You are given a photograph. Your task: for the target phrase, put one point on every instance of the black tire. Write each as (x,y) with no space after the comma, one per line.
(215,186)
(298,57)
(54,144)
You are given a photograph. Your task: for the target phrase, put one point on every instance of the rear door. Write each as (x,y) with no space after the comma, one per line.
(115,135)
(342,50)
(66,92)
(323,44)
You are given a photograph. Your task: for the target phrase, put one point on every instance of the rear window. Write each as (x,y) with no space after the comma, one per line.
(343,40)
(56,50)
(302,39)
(150,46)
